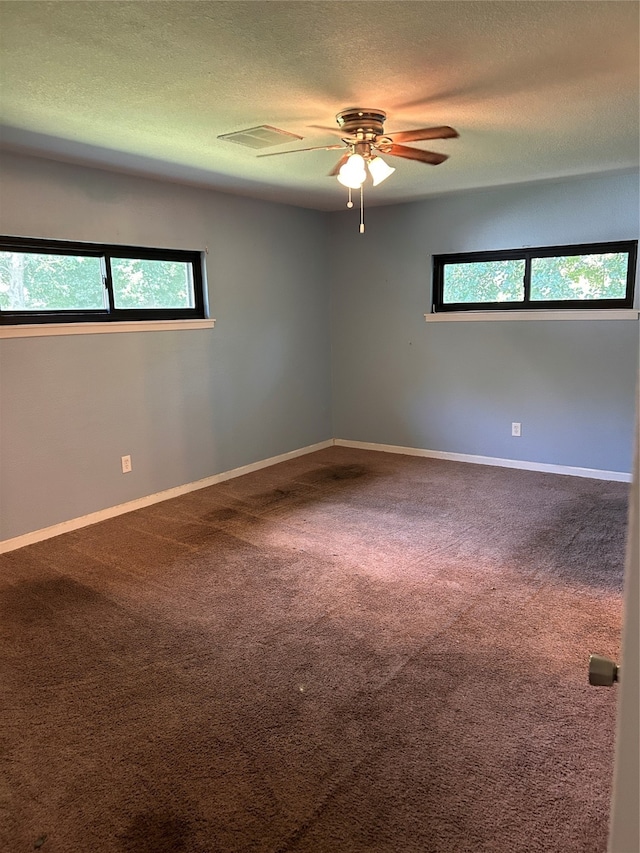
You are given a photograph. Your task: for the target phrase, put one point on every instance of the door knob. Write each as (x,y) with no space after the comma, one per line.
(603,671)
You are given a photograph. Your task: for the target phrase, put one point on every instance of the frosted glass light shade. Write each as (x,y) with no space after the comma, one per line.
(353,173)
(379,170)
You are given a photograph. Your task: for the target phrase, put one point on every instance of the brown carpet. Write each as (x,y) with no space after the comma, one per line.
(351,651)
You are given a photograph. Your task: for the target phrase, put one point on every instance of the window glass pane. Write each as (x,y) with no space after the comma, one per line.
(151,284)
(32,282)
(485,281)
(580,277)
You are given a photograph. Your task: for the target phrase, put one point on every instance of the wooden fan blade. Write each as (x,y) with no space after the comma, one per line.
(338,165)
(423,133)
(415,154)
(298,150)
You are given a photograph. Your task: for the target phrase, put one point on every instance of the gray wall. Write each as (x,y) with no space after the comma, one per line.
(184,404)
(457,386)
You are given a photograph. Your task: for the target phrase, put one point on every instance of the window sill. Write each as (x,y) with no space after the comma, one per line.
(40,330)
(491,316)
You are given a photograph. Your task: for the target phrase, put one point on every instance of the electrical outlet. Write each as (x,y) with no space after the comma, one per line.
(126,464)
(516,429)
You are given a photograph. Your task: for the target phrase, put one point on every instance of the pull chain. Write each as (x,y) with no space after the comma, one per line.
(361,209)
(349,203)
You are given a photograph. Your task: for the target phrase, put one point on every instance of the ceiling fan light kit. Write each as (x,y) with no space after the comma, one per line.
(363,136)
(352,174)
(379,170)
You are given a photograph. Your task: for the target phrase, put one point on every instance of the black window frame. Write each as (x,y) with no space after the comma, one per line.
(630,247)
(106,252)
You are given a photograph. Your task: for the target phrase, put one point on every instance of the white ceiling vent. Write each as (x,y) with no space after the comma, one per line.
(259,137)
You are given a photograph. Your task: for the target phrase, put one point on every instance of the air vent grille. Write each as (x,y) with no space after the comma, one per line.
(262,136)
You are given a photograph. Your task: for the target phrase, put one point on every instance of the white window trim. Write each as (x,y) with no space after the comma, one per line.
(43,330)
(491,316)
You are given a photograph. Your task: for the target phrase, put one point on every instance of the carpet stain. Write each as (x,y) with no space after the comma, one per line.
(48,598)
(347,472)
(152,832)
(226,515)
(337,473)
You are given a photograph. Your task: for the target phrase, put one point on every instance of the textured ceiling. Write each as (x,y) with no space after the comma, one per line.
(536,89)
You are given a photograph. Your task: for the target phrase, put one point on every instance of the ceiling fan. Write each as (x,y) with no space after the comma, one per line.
(363,139)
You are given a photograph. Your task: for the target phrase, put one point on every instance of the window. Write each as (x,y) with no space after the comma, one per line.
(599,275)
(50,281)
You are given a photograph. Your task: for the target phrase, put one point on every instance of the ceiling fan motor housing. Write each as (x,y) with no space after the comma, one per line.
(354,119)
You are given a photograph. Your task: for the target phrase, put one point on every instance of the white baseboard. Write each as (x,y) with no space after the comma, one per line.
(592,473)
(112,511)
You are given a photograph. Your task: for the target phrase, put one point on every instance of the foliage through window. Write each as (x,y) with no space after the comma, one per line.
(598,275)
(46,281)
